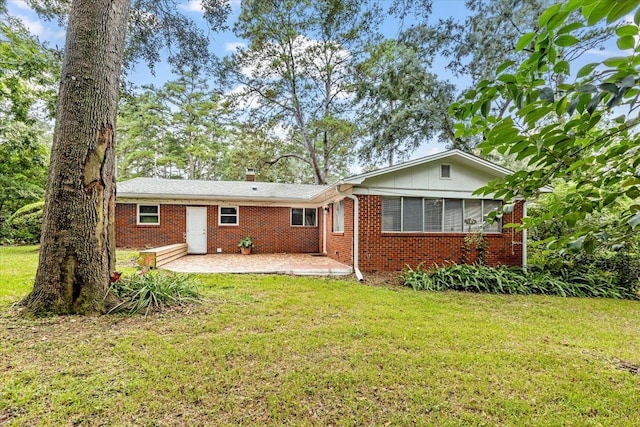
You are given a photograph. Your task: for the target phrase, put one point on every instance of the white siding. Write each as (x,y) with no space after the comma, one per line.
(424,180)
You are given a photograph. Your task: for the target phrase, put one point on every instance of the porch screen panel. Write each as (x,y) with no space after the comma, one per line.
(391,214)
(433,215)
(492,206)
(452,215)
(472,215)
(412,214)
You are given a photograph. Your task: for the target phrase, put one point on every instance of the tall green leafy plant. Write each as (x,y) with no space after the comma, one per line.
(561,128)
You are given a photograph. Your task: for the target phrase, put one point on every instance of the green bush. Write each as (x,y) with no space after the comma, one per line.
(24,226)
(504,280)
(154,290)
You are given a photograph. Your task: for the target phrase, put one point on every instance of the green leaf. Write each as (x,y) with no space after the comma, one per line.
(615,61)
(626,42)
(597,11)
(633,192)
(507,78)
(627,30)
(629,81)
(485,109)
(547,94)
(609,87)
(504,66)
(620,8)
(571,27)
(548,14)
(556,20)
(587,69)
(566,40)
(576,245)
(562,67)
(634,221)
(636,17)
(524,41)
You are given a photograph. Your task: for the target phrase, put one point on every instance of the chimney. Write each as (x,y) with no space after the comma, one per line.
(251,174)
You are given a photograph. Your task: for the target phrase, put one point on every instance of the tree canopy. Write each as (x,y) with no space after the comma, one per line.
(28,72)
(581,127)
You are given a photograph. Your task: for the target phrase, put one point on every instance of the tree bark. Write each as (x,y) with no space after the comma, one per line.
(77,254)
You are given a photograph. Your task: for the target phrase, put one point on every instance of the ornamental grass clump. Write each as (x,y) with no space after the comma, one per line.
(505,280)
(154,290)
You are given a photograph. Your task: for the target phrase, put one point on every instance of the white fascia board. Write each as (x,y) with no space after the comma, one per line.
(437,194)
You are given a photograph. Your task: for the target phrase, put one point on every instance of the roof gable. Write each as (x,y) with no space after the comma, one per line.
(458,156)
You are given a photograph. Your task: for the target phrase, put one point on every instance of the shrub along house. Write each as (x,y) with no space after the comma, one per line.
(421,211)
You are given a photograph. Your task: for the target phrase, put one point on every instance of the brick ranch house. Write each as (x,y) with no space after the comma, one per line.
(421,211)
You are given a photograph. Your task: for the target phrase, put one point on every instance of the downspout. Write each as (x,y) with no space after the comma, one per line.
(356,227)
(524,236)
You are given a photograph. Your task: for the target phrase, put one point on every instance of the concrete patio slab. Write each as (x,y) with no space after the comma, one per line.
(294,264)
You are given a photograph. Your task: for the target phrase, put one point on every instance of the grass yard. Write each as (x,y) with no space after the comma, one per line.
(268,350)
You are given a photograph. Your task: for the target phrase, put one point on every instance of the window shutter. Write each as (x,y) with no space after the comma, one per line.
(391,211)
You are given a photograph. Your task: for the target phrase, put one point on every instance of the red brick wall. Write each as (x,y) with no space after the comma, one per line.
(171,229)
(393,251)
(340,245)
(270,228)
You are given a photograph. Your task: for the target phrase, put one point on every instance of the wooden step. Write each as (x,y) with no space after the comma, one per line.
(157,257)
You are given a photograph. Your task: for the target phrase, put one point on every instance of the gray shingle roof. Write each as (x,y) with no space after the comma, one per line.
(178,188)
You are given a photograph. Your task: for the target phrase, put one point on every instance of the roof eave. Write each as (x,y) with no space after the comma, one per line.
(160,196)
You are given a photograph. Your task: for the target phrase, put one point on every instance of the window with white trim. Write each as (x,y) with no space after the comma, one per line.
(416,214)
(338,217)
(228,215)
(148,215)
(306,217)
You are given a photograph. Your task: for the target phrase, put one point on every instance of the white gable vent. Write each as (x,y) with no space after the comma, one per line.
(445,171)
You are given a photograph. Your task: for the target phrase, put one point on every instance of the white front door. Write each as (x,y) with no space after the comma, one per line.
(197,230)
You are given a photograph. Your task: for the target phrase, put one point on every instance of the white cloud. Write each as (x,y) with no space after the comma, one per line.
(604,52)
(233,46)
(21,4)
(34,26)
(192,6)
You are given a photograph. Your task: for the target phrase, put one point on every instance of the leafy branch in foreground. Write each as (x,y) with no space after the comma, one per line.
(566,130)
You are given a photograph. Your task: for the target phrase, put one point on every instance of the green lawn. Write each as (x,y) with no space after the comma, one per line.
(267,350)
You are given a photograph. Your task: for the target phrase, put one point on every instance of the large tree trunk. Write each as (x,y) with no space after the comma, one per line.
(77,254)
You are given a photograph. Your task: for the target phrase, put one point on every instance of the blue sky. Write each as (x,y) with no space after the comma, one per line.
(222,43)
(225,42)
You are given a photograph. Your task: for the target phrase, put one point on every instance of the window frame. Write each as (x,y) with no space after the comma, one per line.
(140,214)
(304,216)
(464,227)
(220,215)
